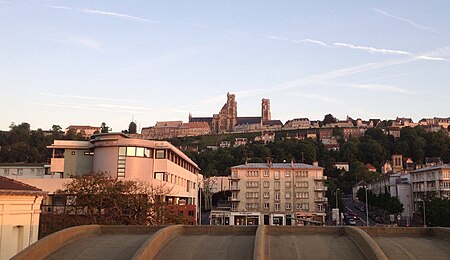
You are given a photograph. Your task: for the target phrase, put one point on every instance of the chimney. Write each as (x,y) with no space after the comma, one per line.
(316,163)
(292,163)
(269,161)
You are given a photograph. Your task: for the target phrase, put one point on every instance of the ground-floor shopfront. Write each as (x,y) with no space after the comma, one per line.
(258,218)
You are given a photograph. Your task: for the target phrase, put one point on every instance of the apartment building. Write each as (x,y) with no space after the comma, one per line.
(277,194)
(430,179)
(85,130)
(24,170)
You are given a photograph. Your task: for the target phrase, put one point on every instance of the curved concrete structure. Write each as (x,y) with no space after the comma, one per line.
(241,242)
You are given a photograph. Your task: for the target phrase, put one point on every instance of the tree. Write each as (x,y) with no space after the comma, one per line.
(132,128)
(109,201)
(104,128)
(329,119)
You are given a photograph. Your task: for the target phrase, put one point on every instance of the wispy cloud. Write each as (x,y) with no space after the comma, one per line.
(89,98)
(86,42)
(388,51)
(408,21)
(380,87)
(371,49)
(313,41)
(105,13)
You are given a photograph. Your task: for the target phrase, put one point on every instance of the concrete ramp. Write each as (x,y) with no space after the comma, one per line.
(309,243)
(412,243)
(101,246)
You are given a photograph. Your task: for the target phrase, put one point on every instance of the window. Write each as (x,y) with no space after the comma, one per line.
(190,213)
(277,196)
(266,195)
(266,173)
(19,171)
(251,205)
(252,184)
(288,205)
(159,176)
(140,151)
(252,195)
(266,184)
(277,206)
(287,184)
(148,153)
(122,151)
(277,175)
(301,184)
(287,173)
(40,172)
(277,185)
(301,174)
(301,195)
(287,195)
(252,173)
(266,205)
(160,154)
(303,206)
(233,206)
(6,171)
(131,151)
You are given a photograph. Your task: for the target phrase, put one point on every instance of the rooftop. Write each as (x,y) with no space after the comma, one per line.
(275,166)
(10,186)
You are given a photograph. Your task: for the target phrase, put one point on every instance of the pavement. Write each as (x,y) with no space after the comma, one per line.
(105,246)
(312,246)
(407,247)
(215,247)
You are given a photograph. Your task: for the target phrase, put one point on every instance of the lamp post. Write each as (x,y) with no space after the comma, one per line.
(367,207)
(337,206)
(424,216)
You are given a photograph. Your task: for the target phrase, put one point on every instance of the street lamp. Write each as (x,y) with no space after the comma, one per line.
(336,192)
(367,207)
(424,216)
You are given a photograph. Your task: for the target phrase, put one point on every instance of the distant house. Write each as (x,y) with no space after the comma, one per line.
(84,130)
(19,216)
(331,144)
(342,166)
(359,185)
(297,123)
(370,167)
(239,141)
(266,137)
(225,144)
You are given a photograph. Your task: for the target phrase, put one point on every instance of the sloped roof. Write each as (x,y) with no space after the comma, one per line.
(275,166)
(10,186)
(248,120)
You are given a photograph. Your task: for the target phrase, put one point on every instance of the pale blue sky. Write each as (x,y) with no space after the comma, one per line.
(85,62)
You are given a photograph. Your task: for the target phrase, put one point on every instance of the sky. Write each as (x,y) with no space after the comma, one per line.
(87,62)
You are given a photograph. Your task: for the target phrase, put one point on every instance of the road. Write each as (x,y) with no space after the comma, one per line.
(361,215)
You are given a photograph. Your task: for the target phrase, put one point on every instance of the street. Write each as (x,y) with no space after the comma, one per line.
(361,221)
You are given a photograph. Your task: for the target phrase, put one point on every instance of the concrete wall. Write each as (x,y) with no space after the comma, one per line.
(19,223)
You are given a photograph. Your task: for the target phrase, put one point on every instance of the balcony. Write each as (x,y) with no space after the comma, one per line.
(321,199)
(233,199)
(234,188)
(320,178)
(320,188)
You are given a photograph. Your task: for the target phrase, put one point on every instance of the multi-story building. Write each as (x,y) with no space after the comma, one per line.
(434,179)
(173,129)
(84,130)
(157,163)
(24,170)
(277,194)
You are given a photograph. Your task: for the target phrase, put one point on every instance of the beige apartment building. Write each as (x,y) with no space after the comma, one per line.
(430,179)
(277,194)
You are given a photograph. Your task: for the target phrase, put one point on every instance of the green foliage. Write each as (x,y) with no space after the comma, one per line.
(437,211)
(384,201)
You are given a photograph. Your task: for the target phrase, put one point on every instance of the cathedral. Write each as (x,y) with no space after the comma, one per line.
(227,119)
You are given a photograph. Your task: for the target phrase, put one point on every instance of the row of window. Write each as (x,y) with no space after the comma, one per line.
(276,174)
(287,184)
(174,179)
(39,172)
(277,206)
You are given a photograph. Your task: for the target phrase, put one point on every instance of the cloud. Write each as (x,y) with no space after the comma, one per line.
(419,26)
(314,41)
(371,49)
(380,87)
(89,98)
(86,42)
(387,51)
(105,13)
